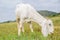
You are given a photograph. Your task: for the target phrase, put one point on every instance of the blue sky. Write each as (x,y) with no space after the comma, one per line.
(7,7)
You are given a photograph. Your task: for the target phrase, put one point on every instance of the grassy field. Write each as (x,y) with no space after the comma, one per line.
(8,31)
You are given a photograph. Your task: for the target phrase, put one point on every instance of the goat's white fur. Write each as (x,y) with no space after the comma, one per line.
(26,13)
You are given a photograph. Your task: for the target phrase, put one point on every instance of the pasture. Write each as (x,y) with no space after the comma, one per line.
(8,31)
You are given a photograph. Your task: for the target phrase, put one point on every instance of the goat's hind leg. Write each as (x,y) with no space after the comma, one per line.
(22,26)
(18,25)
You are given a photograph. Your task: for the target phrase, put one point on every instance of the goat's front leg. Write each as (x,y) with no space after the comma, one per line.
(31,26)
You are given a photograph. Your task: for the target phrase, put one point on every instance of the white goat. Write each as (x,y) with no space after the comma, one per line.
(26,13)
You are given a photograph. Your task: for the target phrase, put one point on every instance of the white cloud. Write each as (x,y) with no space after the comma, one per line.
(49,4)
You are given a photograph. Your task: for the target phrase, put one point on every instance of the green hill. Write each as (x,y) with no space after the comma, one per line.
(47,13)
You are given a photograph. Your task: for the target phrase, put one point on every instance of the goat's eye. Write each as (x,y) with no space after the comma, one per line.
(49,24)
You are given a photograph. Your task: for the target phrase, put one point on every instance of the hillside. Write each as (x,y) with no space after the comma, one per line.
(47,13)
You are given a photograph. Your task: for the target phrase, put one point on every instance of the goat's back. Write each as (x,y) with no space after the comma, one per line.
(23,10)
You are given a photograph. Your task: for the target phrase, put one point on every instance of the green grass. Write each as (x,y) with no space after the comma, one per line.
(8,31)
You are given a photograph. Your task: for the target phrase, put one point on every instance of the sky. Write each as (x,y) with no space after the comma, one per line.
(7,7)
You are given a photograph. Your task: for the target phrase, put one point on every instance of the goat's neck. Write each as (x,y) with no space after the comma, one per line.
(38,18)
